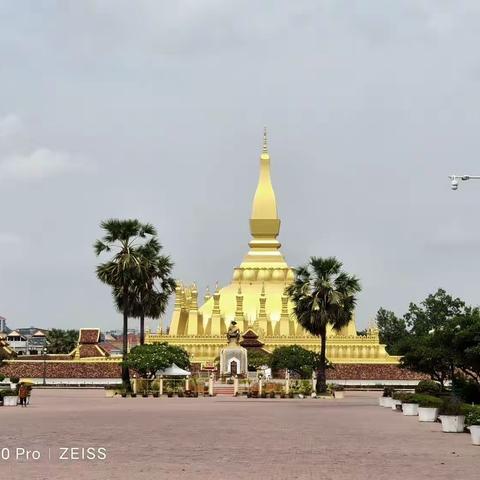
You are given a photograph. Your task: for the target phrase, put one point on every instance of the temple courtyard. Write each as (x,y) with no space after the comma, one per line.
(222,438)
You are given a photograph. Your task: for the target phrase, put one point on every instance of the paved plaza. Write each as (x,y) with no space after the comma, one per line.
(223,438)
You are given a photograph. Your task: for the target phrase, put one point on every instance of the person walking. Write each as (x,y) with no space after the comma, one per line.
(23,394)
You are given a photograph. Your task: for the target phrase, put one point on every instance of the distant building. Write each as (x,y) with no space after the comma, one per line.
(3,325)
(27,341)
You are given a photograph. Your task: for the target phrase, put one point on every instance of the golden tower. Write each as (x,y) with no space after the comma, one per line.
(256,298)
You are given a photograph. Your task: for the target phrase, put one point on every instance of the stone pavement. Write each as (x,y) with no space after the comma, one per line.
(227,438)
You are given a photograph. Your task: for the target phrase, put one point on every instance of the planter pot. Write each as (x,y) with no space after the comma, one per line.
(427,414)
(410,409)
(396,405)
(338,394)
(387,402)
(10,401)
(475,434)
(452,423)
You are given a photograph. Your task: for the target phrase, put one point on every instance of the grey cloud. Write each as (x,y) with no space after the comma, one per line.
(369,104)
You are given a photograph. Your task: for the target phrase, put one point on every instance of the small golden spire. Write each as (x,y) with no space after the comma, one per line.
(265,143)
(239,292)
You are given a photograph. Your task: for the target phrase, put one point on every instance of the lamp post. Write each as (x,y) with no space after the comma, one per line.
(44,351)
(456,178)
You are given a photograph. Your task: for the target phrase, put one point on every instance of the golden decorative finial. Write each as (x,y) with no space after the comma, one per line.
(265,143)
(263,289)
(239,291)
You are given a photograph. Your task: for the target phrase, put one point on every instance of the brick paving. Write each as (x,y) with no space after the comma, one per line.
(228,438)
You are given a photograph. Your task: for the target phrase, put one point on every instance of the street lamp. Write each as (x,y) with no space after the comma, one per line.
(44,351)
(456,178)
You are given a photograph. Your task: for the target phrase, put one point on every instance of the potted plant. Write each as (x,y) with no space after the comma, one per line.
(472,420)
(169,393)
(409,404)
(14,382)
(452,416)
(145,394)
(386,399)
(338,391)
(397,401)
(10,398)
(428,407)
(264,394)
(180,393)
(133,395)
(124,394)
(291,394)
(271,394)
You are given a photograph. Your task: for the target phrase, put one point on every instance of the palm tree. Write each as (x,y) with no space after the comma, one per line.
(124,237)
(148,296)
(323,295)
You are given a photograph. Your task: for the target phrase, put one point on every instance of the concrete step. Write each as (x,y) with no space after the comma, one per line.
(224,390)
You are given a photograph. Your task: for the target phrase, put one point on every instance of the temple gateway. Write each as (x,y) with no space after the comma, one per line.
(256,300)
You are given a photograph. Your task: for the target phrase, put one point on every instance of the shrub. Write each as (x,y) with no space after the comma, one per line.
(453,406)
(305,387)
(387,391)
(406,397)
(466,389)
(14,379)
(271,394)
(428,401)
(472,416)
(428,387)
(8,393)
(2,377)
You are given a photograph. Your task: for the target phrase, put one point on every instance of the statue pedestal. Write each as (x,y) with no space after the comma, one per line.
(233,360)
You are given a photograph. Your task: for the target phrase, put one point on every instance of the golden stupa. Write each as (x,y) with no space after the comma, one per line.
(256,300)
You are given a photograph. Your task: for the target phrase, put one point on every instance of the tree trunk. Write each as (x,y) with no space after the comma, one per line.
(321,372)
(142,328)
(125,372)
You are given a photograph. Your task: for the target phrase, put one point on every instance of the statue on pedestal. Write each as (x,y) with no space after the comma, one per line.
(233,358)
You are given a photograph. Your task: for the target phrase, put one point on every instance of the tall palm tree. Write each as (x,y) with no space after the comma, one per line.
(323,295)
(149,292)
(124,238)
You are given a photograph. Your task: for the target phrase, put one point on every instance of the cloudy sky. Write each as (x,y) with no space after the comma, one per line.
(155,110)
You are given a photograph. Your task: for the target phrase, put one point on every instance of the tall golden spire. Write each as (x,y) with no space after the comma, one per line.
(264,221)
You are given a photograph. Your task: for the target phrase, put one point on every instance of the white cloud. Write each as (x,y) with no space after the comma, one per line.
(41,163)
(10,125)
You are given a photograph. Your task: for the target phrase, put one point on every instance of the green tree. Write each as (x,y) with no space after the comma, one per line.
(430,354)
(257,359)
(147,359)
(323,295)
(61,341)
(296,359)
(123,238)
(466,343)
(436,310)
(391,329)
(151,288)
